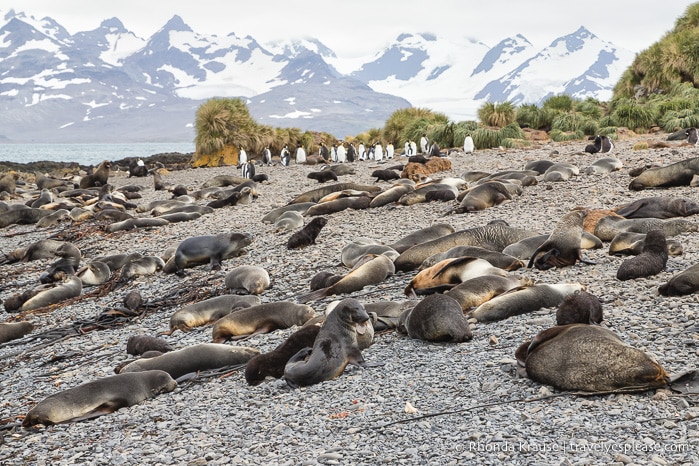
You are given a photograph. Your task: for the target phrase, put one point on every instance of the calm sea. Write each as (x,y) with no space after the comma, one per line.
(87,154)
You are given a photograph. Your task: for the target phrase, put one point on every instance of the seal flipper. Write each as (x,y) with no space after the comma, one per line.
(312,296)
(105,408)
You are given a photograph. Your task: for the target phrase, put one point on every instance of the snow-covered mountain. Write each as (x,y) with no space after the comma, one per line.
(108,85)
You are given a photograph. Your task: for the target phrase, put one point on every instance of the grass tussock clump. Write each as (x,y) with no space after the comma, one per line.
(642,145)
(497,114)
(560,136)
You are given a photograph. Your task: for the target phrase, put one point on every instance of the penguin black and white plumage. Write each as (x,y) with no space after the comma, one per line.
(389,151)
(434,150)
(266,156)
(351,153)
(323,152)
(406,150)
(285,156)
(341,153)
(361,151)
(333,153)
(424,143)
(606,144)
(137,168)
(300,155)
(469,146)
(242,156)
(248,170)
(413,148)
(378,152)
(692,136)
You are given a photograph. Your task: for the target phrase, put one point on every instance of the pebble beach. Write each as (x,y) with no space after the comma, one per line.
(420,402)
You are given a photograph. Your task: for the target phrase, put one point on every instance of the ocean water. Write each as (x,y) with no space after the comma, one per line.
(87,154)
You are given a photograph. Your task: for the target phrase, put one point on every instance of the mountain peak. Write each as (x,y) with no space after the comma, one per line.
(176,23)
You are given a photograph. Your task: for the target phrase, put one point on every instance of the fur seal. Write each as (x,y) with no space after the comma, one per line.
(562,248)
(272,364)
(212,249)
(338,205)
(391,195)
(561,171)
(448,273)
(334,347)
(139,344)
(608,227)
(604,165)
(539,166)
(22,216)
(99,397)
(628,243)
(208,311)
(523,300)
(683,283)
(588,358)
(315,195)
(659,207)
(437,318)
(53,219)
(676,174)
(478,290)
(180,216)
(354,251)
(95,273)
(373,270)
(262,318)
(133,223)
(221,181)
(247,279)
(385,175)
(146,265)
(482,196)
(8,183)
(423,235)
(69,286)
(323,176)
(98,177)
(651,261)
(13,330)
(199,357)
(579,307)
(494,236)
(307,235)
(289,221)
(497,259)
(525,248)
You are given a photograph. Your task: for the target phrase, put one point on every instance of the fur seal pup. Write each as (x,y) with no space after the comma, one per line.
(523,300)
(315,195)
(651,261)
(588,358)
(391,195)
(608,227)
(481,197)
(676,174)
(272,364)
(139,222)
(562,248)
(53,219)
(334,347)
(437,318)
(373,270)
(209,311)
(146,265)
(604,165)
(95,273)
(307,235)
(66,287)
(659,207)
(136,345)
(580,307)
(22,216)
(561,171)
(262,318)
(385,175)
(338,205)
(99,397)
(448,273)
(323,176)
(478,290)
(247,279)
(98,177)
(495,236)
(230,200)
(288,221)
(423,235)
(199,357)
(323,280)
(628,243)
(13,330)
(212,249)
(682,284)
(354,251)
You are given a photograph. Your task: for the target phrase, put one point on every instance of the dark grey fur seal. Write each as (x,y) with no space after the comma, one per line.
(212,249)
(136,345)
(385,175)
(99,397)
(580,307)
(94,273)
(676,174)
(392,194)
(98,177)
(274,214)
(659,207)
(334,347)
(608,227)
(423,235)
(651,261)
(317,194)
(176,217)
(146,265)
(498,259)
(338,205)
(525,248)
(437,318)
(247,279)
(483,196)
(288,221)
(323,176)
(561,171)
(209,311)
(262,318)
(539,166)
(562,248)
(307,235)
(628,243)
(200,357)
(13,330)
(682,284)
(478,290)
(323,279)
(523,300)
(588,358)
(23,216)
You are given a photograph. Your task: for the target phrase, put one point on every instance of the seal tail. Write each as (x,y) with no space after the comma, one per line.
(312,296)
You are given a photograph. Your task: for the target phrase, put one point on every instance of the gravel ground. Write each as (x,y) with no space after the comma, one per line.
(471,406)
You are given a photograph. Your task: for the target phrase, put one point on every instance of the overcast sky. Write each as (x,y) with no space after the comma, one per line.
(361,27)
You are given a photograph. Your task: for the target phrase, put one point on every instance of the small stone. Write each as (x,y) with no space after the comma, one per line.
(493,340)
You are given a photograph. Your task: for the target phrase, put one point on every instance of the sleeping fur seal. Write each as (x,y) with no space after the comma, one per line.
(358,202)
(262,318)
(525,248)
(69,286)
(212,249)
(354,251)
(139,344)
(497,259)
(288,221)
(315,195)
(608,227)
(247,279)
(95,273)
(562,248)
(478,290)
(523,300)
(448,273)
(483,196)
(423,235)
(659,207)
(588,358)
(274,214)
(334,347)
(676,174)
(98,397)
(391,195)
(580,307)
(628,243)
(437,318)
(209,311)
(651,261)
(683,283)
(13,330)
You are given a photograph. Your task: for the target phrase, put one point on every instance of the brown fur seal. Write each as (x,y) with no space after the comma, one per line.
(323,279)
(95,273)
(651,261)
(659,207)
(212,249)
(323,176)
(221,181)
(627,243)
(390,195)
(307,235)
(562,248)
(385,175)
(288,221)
(423,235)
(272,364)
(98,397)
(69,286)
(13,330)
(436,318)
(588,358)
(676,174)
(354,251)
(22,216)
(478,290)
(494,236)
(262,318)
(683,283)
(608,227)
(139,344)
(483,196)
(497,259)
(448,273)
(209,311)
(316,194)
(7,183)
(525,248)
(274,214)
(523,300)
(200,357)
(146,265)
(334,347)
(373,271)
(580,307)
(338,205)
(98,177)
(247,279)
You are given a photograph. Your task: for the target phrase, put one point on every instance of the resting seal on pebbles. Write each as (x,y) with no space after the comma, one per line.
(683,283)
(580,307)
(307,235)
(651,261)
(436,318)
(247,279)
(262,318)
(212,249)
(562,248)
(209,311)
